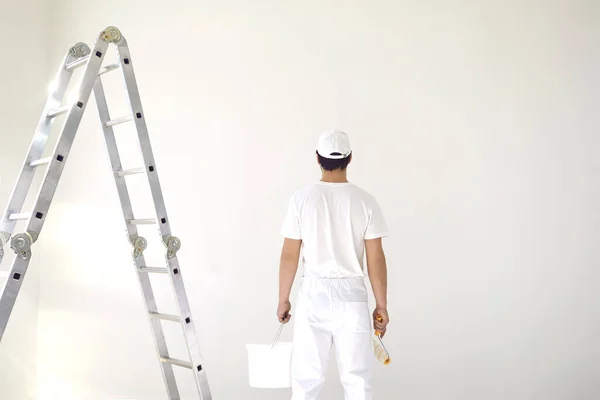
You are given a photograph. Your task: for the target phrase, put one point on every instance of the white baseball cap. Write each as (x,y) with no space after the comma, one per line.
(334,145)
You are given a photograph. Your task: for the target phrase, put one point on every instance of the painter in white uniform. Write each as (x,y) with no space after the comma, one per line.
(331,221)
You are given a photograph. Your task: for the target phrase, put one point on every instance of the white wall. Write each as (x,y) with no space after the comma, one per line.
(23,76)
(473,124)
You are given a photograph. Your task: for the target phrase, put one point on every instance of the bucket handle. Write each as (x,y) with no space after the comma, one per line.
(277,336)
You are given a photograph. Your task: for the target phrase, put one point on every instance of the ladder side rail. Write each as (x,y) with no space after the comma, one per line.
(172,243)
(136,241)
(38,143)
(22,242)
(63,146)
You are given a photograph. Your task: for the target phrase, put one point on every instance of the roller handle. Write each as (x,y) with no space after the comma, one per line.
(379,318)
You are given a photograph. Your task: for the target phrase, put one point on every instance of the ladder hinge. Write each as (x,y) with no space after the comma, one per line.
(111,35)
(21,244)
(79,50)
(173,245)
(3,239)
(139,245)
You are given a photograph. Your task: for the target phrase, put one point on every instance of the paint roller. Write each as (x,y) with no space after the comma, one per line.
(381,353)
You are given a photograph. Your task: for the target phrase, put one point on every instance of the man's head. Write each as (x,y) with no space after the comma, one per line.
(334,151)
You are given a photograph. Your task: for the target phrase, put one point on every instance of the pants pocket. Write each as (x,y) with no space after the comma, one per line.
(356,316)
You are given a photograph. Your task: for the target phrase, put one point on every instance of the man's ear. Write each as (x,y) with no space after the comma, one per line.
(350,160)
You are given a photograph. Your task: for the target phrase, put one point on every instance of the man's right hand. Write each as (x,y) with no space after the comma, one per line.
(283,312)
(380,321)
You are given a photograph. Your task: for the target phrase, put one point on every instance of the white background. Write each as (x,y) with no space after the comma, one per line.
(475,124)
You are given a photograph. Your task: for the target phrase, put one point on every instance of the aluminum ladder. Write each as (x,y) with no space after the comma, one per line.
(91,60)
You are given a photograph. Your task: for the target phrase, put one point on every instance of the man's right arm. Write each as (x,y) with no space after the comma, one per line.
(290,254)
(377,267)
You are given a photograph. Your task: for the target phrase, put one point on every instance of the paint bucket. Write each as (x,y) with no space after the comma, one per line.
(270,366)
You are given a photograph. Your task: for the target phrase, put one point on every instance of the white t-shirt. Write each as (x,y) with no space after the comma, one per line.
(333,220)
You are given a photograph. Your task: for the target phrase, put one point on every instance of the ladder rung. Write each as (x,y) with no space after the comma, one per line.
(56,113)
(19,217)
(147,221)
(78,63)
(179,363)
(41,161)
(133,171)
(165,317)
(155,270)
(108,68)
(119,121)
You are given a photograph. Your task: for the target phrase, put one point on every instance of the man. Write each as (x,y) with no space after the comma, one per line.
(334,223)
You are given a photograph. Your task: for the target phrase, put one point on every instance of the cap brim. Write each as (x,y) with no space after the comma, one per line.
(330,157)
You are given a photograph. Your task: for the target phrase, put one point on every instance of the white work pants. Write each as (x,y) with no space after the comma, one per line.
(332,312)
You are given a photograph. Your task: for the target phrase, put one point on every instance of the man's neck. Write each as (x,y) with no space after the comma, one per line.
(338,176)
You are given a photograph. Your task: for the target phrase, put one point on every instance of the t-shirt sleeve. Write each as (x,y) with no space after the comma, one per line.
(291,223)
(376,227)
